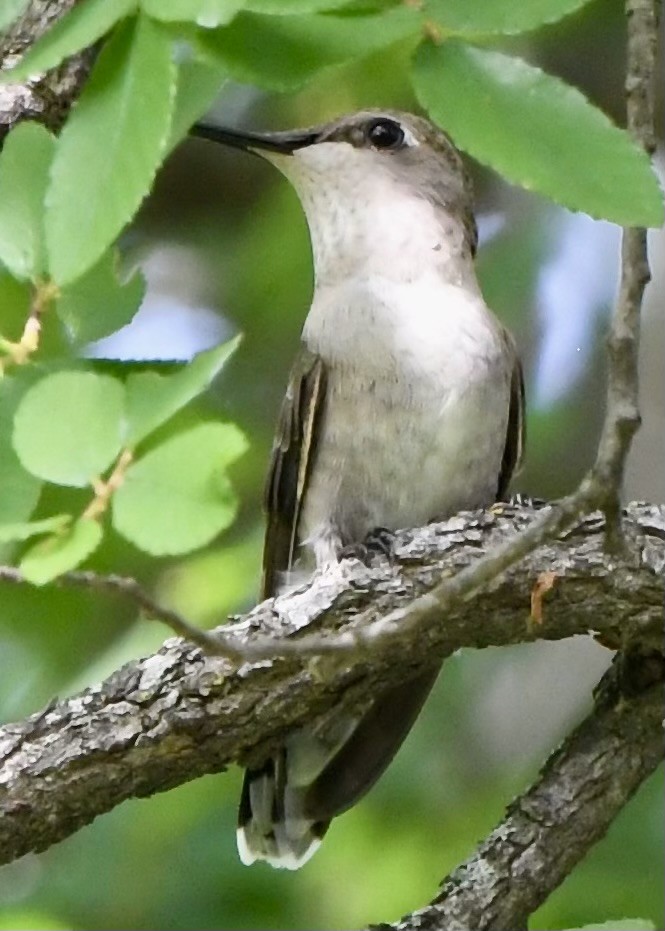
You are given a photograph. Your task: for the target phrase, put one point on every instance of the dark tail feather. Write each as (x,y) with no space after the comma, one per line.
(287,804)
(369,750)
(272,825)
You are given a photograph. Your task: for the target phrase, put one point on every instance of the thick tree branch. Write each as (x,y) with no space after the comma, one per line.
(46,98)
(548,830)
(179,714)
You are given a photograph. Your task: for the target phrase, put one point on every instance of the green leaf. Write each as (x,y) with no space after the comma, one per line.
(19,490)
(86,22)
(15,300)
(152,398)
(50,558)
(110,148)
(290,7)
(97,303)
(537,131)
(497,17)
(24,165)
(199,84)
(24,919)
(627,924)
(212,13)
(206,13)
(178,497)
(284,52)
(10,11)
(23,531)
(68,427)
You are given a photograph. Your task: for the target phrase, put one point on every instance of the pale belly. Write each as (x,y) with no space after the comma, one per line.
(416,411)
(395,459)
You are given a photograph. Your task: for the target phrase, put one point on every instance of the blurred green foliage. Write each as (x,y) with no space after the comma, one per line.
(170,861)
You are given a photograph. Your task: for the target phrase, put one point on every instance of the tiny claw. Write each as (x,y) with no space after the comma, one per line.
(527,501)
(379,541)
(356,551)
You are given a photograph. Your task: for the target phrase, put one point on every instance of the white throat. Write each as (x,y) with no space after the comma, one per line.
(364,222)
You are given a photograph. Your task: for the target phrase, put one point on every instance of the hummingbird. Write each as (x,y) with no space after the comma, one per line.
(405,404)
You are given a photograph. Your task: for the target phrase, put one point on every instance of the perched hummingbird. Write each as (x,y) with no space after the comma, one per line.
(404,405)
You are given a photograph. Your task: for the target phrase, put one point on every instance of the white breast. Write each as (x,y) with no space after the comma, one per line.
(417,406)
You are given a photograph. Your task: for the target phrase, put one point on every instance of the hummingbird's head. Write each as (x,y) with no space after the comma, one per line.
(368,176)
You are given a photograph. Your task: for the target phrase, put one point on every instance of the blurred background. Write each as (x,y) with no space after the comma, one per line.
(224,248)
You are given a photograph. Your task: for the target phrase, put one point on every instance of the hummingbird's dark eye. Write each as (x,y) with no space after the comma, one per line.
(385,134)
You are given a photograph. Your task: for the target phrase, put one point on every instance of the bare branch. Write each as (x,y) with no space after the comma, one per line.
(46,98)
(179,714)
(622,418)
(548,830)
(215,645)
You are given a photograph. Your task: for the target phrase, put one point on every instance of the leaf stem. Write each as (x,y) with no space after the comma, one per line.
(18,353)
(104,489)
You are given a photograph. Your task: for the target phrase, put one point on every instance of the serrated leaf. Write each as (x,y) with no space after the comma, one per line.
(10,11)
(199,84)
(537,131)
(49,558)
(284,52)
(206,13)
(153,398)
(497,17)
(19,490)
(68,427)
(110,148)
(10,533)
(97,303)
(178,497)
(86,22)
(24,165)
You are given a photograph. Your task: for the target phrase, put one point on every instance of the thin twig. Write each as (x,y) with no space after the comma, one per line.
(20,352)
(622,419)
(104,489)
(131,589)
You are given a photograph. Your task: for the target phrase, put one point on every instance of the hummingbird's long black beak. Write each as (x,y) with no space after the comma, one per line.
(285,143)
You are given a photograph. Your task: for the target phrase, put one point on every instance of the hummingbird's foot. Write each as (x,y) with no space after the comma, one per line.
(379,541)
(518,501)
(527,501)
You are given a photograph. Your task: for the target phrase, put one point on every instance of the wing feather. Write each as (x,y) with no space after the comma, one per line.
(513,452)
(290,464)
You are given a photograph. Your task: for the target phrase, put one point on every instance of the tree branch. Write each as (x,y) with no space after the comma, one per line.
(623,414)
(45,98)
(179,714)
(548,830)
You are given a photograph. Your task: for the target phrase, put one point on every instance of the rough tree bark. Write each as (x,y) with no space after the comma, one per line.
(46,98)
(181,713)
